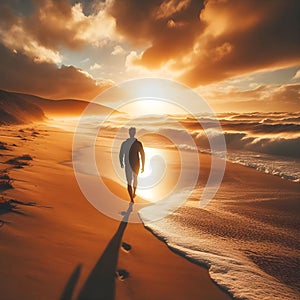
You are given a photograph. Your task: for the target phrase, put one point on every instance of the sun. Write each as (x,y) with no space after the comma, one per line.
(152,96)
(151,106)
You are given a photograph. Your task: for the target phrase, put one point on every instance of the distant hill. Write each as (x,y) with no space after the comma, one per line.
(64,106)
(24,108)
(15,110)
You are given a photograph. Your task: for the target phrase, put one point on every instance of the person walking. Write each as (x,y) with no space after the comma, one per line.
(130,155)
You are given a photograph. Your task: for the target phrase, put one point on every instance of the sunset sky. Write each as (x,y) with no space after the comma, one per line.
(239,55)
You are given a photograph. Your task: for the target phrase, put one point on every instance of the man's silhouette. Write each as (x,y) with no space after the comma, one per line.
(130,154)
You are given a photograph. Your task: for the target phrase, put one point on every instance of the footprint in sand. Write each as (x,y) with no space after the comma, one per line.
(19,161)
(122,274)
(3,146)
(5,182)
(126,247)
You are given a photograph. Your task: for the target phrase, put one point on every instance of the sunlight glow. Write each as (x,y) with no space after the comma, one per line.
(154,172)
(152,107)
(149,154)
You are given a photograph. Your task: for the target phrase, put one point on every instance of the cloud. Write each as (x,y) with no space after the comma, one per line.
(196,42)
(262,98)
(52,25)
(288,94)
(266,37)
(211,41)
(21,74)
(167,9)
(95,66)
(118,50)
(85,60)
(170,28)
(297,75)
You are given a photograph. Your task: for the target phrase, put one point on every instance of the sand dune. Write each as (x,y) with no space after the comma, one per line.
(64,106)
(18,108)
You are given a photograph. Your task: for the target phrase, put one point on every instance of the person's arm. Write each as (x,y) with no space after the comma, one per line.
(121,156)
(142,153)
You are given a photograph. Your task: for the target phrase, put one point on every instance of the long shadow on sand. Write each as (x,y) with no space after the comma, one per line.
(100,284)
(70,286)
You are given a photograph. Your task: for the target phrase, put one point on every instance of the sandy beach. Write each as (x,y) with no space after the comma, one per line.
(149,150)
(55,245)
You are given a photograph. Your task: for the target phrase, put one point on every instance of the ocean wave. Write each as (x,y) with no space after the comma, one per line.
(282,120)
(263,128)
(288,169)
(242,141)
(258,115)
(274,136)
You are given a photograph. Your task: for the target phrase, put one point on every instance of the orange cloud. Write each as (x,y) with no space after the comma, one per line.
(213,41)
(261,35)
(167,26)
(263,98)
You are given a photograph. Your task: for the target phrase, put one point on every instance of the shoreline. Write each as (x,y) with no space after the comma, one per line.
(43,242)
(50,149)
(252,211)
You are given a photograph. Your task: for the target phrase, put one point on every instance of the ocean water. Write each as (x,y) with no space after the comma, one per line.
(249,240)
(267,142)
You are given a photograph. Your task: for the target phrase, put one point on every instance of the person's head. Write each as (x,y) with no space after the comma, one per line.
(132,132)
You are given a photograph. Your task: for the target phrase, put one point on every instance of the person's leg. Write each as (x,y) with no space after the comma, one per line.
(129,172)
(134,183)
(129,189)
